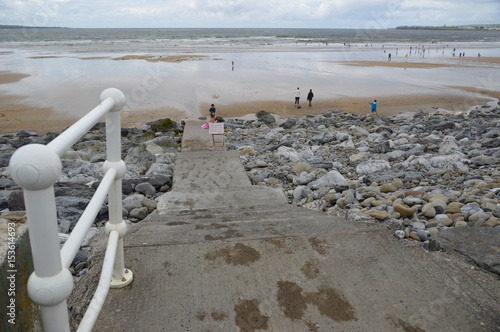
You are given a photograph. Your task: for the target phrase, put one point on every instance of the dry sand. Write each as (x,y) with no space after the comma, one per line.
(150,58)
(8,77)
(16,115)
(390,105)
(153,58)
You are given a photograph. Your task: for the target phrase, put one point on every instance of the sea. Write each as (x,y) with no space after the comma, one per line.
(160,40)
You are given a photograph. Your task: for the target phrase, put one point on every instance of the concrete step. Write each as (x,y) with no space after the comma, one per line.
(208,169)
(243,223)
(214,179)
(220,198)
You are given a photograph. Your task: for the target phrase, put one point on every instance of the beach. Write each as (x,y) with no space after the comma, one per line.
(18,112)
(48,86)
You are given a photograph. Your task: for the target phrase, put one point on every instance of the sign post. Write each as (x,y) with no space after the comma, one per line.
(216,128)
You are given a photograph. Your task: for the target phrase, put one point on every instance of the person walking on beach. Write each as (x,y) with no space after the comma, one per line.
(297,97)
(310,96)
(212,111)
(374,106)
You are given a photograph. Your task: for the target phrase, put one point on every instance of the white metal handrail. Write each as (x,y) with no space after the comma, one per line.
(36,168)
(75,239)
(97,302)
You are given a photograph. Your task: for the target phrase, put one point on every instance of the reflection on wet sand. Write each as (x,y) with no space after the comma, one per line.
(50,92)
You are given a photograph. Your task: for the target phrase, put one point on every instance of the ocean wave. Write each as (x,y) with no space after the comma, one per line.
(151,40)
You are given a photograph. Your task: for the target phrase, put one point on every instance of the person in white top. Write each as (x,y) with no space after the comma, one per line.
(297,97)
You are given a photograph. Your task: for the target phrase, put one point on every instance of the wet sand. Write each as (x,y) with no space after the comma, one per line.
(484,59)
(419,63)
(21,112)
(479,91)
(396,64)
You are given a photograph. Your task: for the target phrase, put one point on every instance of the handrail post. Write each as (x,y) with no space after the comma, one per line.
(36,168)
(121,276)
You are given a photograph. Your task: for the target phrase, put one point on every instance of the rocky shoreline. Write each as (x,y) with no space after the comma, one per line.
(149,155)
(418,174)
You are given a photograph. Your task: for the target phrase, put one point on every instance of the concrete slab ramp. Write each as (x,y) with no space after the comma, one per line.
(266,268)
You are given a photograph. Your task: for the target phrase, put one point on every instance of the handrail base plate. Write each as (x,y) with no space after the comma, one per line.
(127,278)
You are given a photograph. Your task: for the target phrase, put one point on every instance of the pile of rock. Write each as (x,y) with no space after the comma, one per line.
(420,174)
(149,155)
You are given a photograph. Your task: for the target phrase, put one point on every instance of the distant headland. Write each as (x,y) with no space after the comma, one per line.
(27,27)
(475,27)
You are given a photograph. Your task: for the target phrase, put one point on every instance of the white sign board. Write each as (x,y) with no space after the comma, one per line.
(216,128)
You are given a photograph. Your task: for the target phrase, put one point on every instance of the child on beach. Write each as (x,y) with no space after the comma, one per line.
(310,96)
(374,106)
(212,112)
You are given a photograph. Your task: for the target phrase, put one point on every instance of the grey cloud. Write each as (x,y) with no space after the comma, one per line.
(244,13)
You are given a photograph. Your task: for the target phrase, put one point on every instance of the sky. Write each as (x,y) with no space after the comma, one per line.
(357,14)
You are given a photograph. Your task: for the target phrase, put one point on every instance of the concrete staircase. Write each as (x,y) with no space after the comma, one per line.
(223,255)
(214,179)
